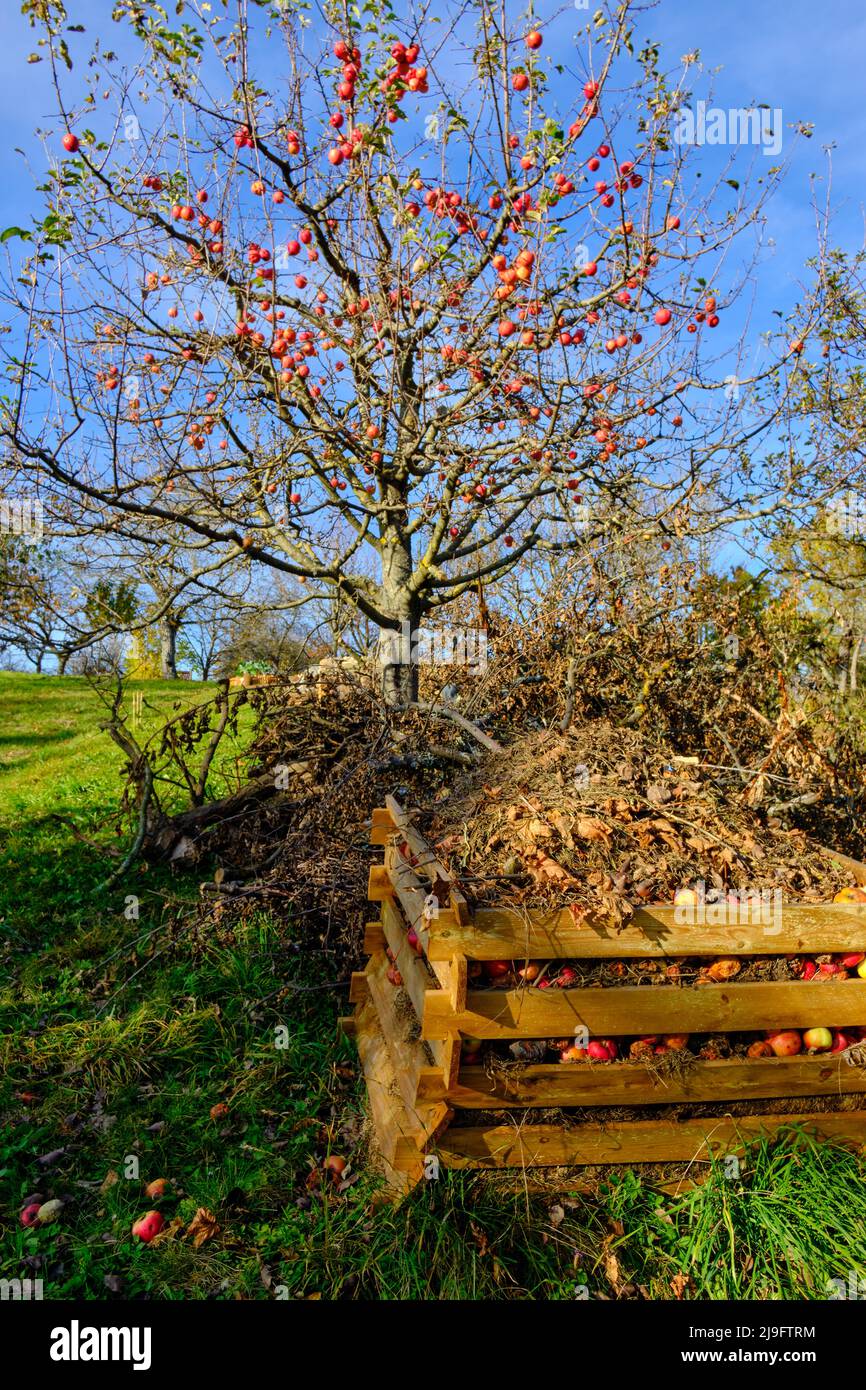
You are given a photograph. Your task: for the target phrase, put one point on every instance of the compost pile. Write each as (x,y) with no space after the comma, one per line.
(605,819)
(333,754)
(638,757)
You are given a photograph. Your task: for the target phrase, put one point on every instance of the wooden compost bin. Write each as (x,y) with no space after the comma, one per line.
(414,1090)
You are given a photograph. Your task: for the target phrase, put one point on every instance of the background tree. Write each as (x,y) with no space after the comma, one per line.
(339,315)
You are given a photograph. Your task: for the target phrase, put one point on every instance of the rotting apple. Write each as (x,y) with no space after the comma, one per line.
(335,1165)
(149,1225)
(850,895)
(786,1043)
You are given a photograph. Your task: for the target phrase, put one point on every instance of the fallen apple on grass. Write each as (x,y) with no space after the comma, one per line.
(850,895)
(156,1188)
(149,1225)
(29,1214)
(335,1166)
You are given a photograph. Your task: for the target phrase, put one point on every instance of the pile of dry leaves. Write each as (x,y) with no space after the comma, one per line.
(604,818)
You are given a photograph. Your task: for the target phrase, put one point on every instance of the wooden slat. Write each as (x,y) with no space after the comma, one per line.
(555,1013)
(632,1083)
(379,886)
(374,938)
(412,895)
(396,1134)
(407,1056)
(358,990)
(505,934)
(382,826)
(458,983)
(644,1141)
(856,867)
(426,857)
(416,980)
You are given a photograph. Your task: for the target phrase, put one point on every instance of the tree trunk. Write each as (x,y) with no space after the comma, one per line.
(856,644)
(397,640)
(62,660)
(168,649)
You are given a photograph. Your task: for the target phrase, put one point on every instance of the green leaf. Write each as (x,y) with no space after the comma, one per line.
(15,231)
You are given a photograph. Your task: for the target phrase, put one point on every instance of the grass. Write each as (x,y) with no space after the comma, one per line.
(120,1033)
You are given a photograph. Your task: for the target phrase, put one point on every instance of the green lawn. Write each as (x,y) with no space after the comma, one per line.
(120,1030)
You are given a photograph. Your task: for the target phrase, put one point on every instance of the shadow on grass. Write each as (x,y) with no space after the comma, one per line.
(38,738)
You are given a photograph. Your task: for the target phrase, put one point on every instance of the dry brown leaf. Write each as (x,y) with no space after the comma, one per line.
(202,1227)
(562,824)
(697,842)
(111,1177)
(612,910)
(480,1238)
(544,870)
(538,829)
(611,1269)
(591,829)
(723,969)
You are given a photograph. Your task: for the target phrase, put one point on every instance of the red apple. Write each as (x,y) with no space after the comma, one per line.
(149,1225)
(497,969)
(786,1043)
(336,1166)
(70,142)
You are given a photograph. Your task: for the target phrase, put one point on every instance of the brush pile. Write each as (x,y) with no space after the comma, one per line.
(607,819)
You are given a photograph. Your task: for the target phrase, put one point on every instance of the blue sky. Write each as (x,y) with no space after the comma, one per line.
(802,58)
